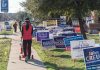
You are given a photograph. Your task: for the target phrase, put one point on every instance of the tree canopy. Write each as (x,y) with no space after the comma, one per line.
(54,8)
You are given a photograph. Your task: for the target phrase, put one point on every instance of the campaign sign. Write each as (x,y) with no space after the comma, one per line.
(69,34)
(67,40)
(92,58)
(48,43)
(4,5)
(59,42)
(78,46)
(39,28)
(50,23)
(61,25)
(42,35)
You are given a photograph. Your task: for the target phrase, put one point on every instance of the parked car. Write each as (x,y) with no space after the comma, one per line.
(7,26)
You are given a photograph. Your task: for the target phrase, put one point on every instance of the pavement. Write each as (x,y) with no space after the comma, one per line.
(15,64)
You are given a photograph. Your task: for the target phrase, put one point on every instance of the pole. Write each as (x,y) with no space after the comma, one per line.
(4,24)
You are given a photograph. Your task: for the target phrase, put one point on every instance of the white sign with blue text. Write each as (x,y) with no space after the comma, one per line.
(78,46)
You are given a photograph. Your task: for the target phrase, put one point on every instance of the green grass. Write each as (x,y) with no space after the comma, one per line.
(94,36)
(3,32)
(59,59)
(4,53)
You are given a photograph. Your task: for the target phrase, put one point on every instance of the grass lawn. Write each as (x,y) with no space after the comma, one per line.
(3,32)
(59,59)
(95,37)
(4,53)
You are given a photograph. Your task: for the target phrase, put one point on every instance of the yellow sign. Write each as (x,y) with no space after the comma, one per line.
(50,23)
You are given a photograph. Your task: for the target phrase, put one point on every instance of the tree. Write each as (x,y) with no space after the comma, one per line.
(51,8)
(22,15)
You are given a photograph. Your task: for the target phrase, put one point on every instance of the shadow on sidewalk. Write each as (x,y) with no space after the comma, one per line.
(36,62)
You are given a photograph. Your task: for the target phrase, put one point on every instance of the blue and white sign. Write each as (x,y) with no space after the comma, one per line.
(67,40)
(62,22)
(92,58)
(48,43)
(69,34)
(4,5)
(59,42)
(40,35)
(78,46)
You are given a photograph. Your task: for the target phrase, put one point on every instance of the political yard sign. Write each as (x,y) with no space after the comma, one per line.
(49,23)
(67,40)
(48,43)
(59,42)
(68,35)
(92,58)
(78,46)
(42,35)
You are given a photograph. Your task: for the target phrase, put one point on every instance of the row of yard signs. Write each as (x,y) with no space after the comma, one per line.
(80,48)
(57,41)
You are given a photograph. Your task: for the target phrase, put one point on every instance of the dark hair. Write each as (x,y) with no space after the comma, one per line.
(27,19)
(27,23)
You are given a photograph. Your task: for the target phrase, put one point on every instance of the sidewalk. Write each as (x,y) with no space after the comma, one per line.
(15,64)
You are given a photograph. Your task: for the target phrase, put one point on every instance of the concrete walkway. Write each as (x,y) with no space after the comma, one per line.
(16,64)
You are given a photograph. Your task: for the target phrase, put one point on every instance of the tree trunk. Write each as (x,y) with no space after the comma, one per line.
(81,23)
(79,16)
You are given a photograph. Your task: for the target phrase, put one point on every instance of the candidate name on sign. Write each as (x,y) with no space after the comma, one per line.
(48,43)
(42,35)
(59,42)
(92,58)
(4,5)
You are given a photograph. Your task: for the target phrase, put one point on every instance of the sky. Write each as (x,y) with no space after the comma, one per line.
(14,6)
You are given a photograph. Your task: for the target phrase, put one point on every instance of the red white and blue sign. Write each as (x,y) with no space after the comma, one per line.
(92,58)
